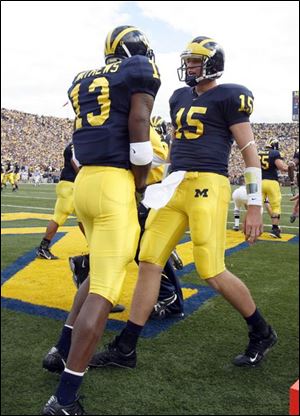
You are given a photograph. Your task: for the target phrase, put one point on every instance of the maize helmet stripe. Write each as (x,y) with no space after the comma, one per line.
(195,48)
(107,46)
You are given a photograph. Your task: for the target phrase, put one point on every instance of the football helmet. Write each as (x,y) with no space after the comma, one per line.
(212,60)
(159,124)
(273,144)
(124,42)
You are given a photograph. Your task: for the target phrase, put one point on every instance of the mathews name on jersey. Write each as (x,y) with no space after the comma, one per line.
(101,100)
(202,140)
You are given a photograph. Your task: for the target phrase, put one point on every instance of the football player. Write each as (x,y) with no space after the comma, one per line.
(206,117)
(294,167)
(170,299)
(2,176)
(16,175)
(272,161)
(160,126)
(37,176)
(64,205)
(113,105)
(9,174)
(240,199)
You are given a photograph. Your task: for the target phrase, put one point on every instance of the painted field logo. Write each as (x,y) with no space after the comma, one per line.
(46,288)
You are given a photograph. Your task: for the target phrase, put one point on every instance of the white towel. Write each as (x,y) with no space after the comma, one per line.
(159,194)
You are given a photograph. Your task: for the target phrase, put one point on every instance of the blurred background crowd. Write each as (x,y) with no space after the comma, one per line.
(38,142)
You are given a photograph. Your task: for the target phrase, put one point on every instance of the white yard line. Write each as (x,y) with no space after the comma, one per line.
(27,207)
(31,197)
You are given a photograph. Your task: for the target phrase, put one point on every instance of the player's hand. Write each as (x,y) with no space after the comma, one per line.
(295,197)
(139,195)
(253,225)
(293,188)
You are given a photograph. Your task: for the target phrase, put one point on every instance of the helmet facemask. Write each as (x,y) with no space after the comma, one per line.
(212,61)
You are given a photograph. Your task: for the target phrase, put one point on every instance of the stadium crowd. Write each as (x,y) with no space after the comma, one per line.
(33,140)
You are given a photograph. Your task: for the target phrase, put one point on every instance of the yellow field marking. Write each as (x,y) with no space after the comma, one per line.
(15,216)
(49,283)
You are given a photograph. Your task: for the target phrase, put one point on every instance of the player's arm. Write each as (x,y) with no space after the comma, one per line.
(253,225)
(74,162)
(280,165)
(75,165)
(141,152)
(291,172)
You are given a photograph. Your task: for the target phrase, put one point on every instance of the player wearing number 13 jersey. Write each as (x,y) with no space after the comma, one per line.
(113,105)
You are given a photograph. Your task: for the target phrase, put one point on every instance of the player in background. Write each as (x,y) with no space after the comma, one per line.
(294,168)
(271,161)
(64,205)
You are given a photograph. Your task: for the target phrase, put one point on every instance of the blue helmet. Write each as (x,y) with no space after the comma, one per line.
(124,42)
(211,55)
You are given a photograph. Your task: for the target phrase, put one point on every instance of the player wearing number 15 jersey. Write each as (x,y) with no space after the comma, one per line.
(205,117)
(113,105)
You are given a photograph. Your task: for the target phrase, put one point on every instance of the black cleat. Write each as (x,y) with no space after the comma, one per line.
(80,266)
(117,308)
(162,309)
(176,260)
(275,232)
(236,228)
(256,350)
(293,218)
(52,407)
(53,361)
(113,357)
(45,253)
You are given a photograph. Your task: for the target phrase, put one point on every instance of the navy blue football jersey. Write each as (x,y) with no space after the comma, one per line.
(101,101)
(16,168)
(267,161)
(203,140)
(68,173)
(296,156)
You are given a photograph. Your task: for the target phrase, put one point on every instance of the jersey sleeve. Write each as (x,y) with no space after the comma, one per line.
(238,105)
(277,155)
(142,75)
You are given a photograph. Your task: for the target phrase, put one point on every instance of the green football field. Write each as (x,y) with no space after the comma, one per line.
(184,367)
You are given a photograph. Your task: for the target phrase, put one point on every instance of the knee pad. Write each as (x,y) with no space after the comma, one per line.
(274,216)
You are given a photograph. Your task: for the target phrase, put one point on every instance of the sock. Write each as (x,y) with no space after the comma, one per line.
(129,337)
(69,384)
(64,343)
(45,243)
(236,221)
(257,324)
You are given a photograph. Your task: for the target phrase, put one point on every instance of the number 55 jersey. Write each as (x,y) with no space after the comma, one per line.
(101,101)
